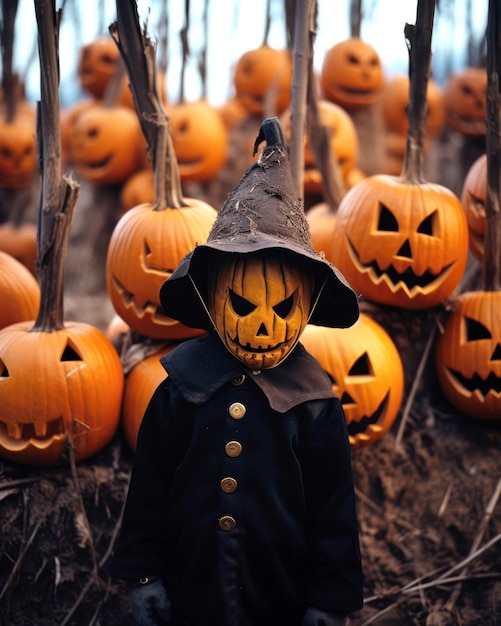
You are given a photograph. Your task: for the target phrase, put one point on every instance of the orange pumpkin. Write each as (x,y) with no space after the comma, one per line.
(366,372)
(465,99)
(263,74)
(19,292)
(56,385)
(138,189)
(97,64)
(401,243)
(473,198)
(343,144)
(21,243)
(352,74)
(116,327)
(144,249)
(322,221)
(468,355)
(200,140)
(106,144)
(141,383)
(18,154)
(232,112)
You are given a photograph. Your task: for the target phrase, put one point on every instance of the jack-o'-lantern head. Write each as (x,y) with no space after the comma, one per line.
(97,65)
(258,279)
(473,199)
(466,101)
(260,304)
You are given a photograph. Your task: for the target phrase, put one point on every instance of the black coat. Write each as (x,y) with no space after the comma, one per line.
(241,494)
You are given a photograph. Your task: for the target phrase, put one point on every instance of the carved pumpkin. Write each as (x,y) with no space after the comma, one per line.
(97,64)
(20,242)
(366,372)
(18,154)
(106,144)
(468,355)
(352,75)
(322,221)
(144,249)
(79,394)
(473,197)
(19,292)
(260,304)
(401,243)
(141,383)
(395,101)
(343,144)
(465,99)
(200,140)
(138,189)
(261,74)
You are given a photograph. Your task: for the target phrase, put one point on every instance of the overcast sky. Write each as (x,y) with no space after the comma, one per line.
(236,26)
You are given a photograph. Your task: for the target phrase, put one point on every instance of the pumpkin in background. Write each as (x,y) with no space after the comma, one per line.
(395,101)
(400,243)
(125,97)
(98,61)
(232,112)
(260,305)
(473,197)
(352,74)
(116,327)
(468,355)
(322,221)
(106,144)
(138,189)
(20,242)
(18,153)
(79,394)
(261,74)
(141,383)
(366,372)
(144,249)
(200,140)
(19,292)
(343,144)
(465,99)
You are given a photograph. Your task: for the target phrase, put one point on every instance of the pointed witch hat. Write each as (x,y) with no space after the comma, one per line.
(261,213)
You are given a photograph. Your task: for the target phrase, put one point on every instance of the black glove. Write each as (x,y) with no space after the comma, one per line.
(150,603)
(317,617)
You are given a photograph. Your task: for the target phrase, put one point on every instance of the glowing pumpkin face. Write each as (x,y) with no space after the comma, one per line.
(473,198)
(144,249)
(78,392)
(260,306)
(97,64)
(366,372)
(399,243)
(468,355)
(466,101)
(18,155)
(352,74)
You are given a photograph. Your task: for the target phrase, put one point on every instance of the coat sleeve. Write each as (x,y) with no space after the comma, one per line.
(335,573)
(162,440)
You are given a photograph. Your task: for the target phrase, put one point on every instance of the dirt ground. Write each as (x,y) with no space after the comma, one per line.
(423,490)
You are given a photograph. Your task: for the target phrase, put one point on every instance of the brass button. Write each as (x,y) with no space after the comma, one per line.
(238,380)
(228,484)
(233,448)
(227,523)
(237,410)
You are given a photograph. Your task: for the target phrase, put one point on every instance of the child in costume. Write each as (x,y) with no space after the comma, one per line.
(241,508)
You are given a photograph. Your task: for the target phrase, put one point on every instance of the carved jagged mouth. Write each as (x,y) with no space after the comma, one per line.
(156,312)
(408,279)
(42,433)
(248,349)
(366,423)
(477,384)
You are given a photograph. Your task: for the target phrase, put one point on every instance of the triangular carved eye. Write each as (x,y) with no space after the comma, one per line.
(427,226)
(240,305)
(70,354)
(387,221)
(4,372)
(283,308)
(361,367)
(476,330)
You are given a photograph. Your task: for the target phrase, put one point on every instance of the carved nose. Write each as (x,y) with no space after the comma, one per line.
(262,330)
(405,250)
(496,355)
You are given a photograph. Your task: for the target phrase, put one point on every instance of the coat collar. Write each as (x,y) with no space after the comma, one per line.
(200,366)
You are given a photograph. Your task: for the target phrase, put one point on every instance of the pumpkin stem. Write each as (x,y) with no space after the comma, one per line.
(59,194)
(138,53)
(418,39)
(491,265)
